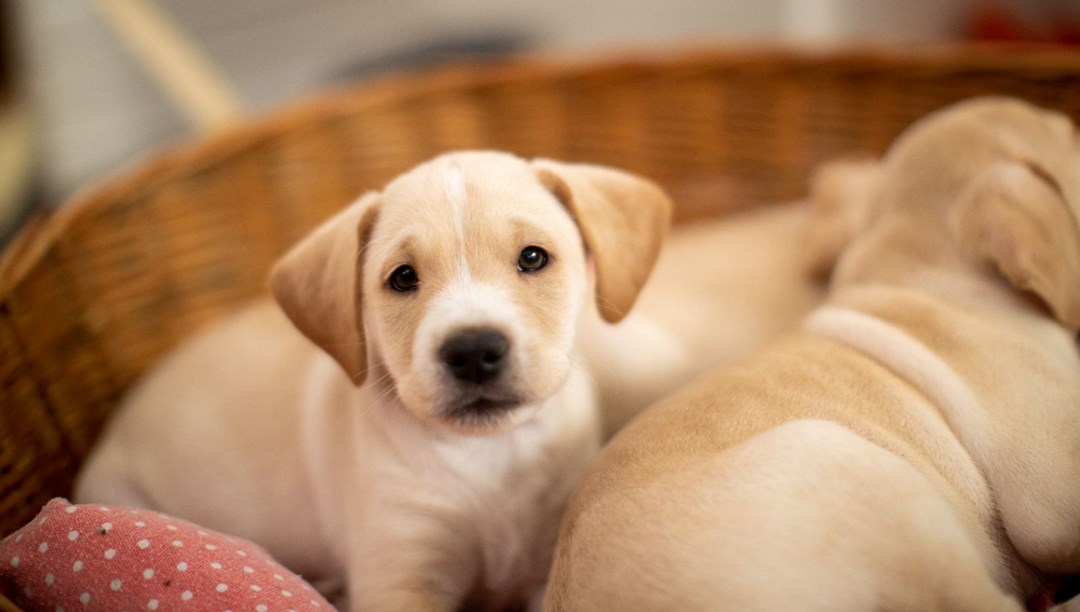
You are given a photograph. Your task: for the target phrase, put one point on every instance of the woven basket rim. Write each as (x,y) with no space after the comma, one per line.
(150,171)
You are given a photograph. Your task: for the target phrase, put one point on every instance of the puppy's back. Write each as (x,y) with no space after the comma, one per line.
(794,518)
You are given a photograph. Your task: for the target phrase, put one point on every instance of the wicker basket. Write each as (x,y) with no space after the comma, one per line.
(93,295)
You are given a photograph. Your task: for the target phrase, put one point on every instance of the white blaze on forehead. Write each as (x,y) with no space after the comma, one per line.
(455,188)
(457,198)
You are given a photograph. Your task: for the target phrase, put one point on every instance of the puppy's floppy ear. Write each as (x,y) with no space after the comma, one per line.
(317,284)
(1016,217)
(623,219)
(841,196)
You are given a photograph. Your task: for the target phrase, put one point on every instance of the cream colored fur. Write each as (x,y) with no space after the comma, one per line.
(254,430)
(915,446)
(355,455)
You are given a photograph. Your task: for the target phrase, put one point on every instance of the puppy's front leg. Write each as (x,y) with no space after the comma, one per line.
(404,598)
(416,563)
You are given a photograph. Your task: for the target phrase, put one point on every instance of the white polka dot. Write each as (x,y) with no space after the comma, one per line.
(278,577)
(256,588)
(49,579)
(248,570)
(84,598)
(202,533)
(42,521)
(29,592)
(109,554)
(286,593)
(105,527)
(210,547)
(177,543)
(44,546)
(221,587)
(215,565)
(186,595)
(71,509)
(77,566)
(241,553)
(59,609)
(15,561)
(148,573)
(261,608)
(170,527)
(73,535)
(18,538)
(115,585)
(152,604)
(143,544)
(142,524)
(103,508)
(182,566)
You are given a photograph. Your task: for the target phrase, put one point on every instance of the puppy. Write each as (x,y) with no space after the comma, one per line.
(419,449)
(914,446)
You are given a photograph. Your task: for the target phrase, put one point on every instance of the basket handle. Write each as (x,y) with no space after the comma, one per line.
(174,61)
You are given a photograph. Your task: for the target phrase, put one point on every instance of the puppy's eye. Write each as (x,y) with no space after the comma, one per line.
(404,279)
(532,258)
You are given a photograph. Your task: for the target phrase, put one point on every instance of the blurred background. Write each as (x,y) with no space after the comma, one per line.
(91,86)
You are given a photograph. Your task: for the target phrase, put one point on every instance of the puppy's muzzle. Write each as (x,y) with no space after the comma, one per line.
(475,355)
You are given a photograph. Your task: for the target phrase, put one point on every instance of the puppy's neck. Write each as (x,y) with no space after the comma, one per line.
(905,253)
(895,251)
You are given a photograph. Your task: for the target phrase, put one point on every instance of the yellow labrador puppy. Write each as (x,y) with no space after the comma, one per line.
(915,446)
(428,467)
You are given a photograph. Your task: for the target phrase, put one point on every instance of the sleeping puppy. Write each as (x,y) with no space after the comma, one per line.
(418,451)
(915,446)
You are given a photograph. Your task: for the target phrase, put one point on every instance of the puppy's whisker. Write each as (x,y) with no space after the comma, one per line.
(387,391)
(603,302)
(378,382)
(381,377)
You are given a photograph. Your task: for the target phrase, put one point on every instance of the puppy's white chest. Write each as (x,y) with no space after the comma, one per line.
(484,510)
(519,485)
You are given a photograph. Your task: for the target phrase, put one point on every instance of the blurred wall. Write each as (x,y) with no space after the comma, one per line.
(97,110)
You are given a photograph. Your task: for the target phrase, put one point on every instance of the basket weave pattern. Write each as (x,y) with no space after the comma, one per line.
(92,296)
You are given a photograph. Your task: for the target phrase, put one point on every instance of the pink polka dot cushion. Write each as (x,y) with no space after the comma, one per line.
(90,557)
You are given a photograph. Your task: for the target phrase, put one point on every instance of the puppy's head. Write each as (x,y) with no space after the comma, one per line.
(461,284)
(995,181)
(1021,213)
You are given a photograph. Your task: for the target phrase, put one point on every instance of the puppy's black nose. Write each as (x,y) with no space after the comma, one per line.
(475,355)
